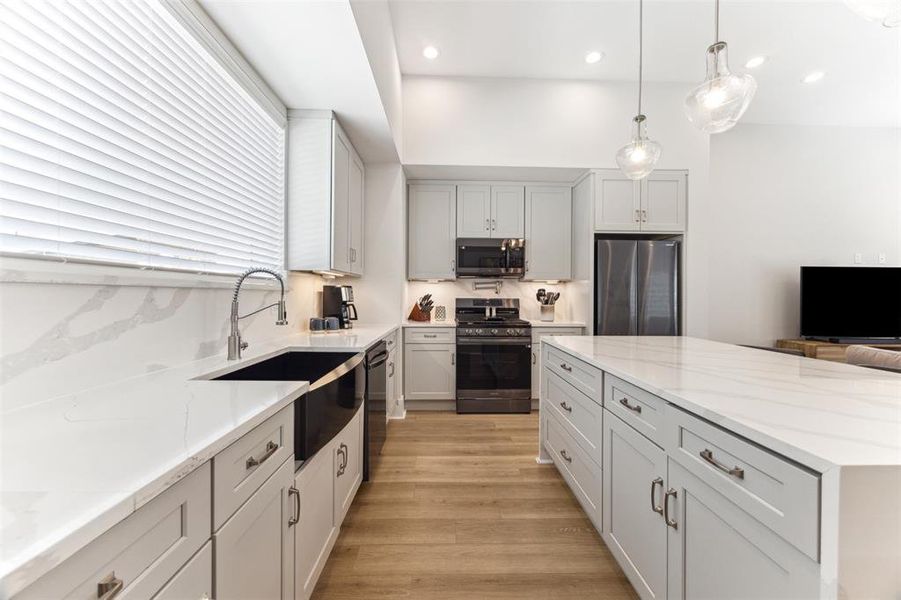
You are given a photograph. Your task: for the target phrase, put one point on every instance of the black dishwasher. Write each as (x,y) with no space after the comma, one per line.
(375,424)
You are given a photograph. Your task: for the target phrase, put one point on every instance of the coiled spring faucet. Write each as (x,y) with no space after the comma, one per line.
(235,343)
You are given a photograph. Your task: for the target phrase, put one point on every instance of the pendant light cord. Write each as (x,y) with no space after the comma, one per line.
(640,48)
(716,23)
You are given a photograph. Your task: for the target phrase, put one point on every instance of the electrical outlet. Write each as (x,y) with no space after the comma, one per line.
(881,258)
(858,258)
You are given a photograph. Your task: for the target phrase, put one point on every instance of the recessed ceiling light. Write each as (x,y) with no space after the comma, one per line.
(813,77)
(593,57)
(755,62)
(430,52)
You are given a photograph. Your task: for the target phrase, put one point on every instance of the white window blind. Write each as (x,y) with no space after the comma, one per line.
(126,142)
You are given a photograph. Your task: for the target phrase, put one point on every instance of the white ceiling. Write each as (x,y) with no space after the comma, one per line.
(548,39)
(312,56)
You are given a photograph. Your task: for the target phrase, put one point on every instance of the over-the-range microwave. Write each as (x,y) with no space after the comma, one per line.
(485,257)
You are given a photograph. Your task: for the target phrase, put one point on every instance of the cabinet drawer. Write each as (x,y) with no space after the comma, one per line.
(430,335)
(781,495)
(243,467)
(586,378)
(391,340)
(143,551)
(194,581)
(581,473)
(640,409)
(583,416)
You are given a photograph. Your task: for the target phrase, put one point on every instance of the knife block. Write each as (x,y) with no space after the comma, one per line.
(418,315)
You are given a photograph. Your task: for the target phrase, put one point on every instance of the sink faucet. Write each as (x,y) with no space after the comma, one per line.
(235,344)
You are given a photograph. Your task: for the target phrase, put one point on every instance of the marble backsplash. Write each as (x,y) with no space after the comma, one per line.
(57,338)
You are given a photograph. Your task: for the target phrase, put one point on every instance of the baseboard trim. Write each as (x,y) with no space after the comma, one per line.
(400,417)
(543,461)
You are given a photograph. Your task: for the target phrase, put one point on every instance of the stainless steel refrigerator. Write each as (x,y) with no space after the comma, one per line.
(637,287)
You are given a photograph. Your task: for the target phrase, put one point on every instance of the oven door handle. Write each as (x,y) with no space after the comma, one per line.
(380,359)
(491,341)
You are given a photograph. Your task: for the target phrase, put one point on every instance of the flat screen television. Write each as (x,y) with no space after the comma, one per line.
(851,303)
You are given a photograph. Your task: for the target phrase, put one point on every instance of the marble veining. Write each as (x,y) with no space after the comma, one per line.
(74,465)
(818,413)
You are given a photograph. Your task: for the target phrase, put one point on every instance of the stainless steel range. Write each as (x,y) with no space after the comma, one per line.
(494,349)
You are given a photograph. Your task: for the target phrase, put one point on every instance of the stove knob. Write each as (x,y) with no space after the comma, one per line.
(511,332)
(494,332)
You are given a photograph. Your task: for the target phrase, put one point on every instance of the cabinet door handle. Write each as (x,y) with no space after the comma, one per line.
(637,218)
(644,215)
(271,448)
(340,452)
(453,266)
(487,224)
(736,472)
(654,484)
(493,224)
(566,456)
(566,367)
(534,359)
(633,408)
(566,407)
(391,374)
(293,492)
(109,587)
(671,522)
(453,358)
(346,455)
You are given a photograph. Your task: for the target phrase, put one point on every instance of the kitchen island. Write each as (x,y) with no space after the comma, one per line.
(713,470)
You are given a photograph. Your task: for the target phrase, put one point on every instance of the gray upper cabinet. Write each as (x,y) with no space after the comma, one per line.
(474,211)
(431,231)
(490,211)
(548,232)
(656,204)
(326,178)
(508,211)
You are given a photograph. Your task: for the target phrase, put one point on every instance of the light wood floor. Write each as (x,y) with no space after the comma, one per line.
(458,508)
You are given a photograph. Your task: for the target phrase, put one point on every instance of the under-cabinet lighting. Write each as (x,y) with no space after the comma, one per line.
(430,52)
(813,77)
(594,57)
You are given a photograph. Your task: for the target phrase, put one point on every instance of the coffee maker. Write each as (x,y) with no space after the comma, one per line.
(338,301)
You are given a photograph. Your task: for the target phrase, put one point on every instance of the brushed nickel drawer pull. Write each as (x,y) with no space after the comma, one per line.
(566,367)
(534,359)
(737,472)
(109,587)
(671,522)
(635,408)
(271,448)
(566,456)
(429,335)
(566,406)
(295,493)
(654,484)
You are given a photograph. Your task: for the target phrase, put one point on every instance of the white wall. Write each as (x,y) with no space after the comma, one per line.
(787,196)
(63,337)
(556,123)
(379,294)
(373,19)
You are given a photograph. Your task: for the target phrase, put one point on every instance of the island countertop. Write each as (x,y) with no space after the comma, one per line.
(821,414)
(73,466)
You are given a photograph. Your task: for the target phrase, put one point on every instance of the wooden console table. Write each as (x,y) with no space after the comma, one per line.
(826,350)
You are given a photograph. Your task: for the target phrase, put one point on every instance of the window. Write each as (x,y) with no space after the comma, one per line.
(125,141)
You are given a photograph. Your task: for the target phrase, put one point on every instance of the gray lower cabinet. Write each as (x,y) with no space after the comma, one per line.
(194,581)
(316,530)
(716,550)
(430,370)
(254,550)
(634,530)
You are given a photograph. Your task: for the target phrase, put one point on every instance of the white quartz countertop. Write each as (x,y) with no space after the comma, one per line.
(448,323)
(73,466)
(819,413)
(539,323)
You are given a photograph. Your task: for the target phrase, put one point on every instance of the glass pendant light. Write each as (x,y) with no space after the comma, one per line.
(719,102)
(887,12)
(638,158)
